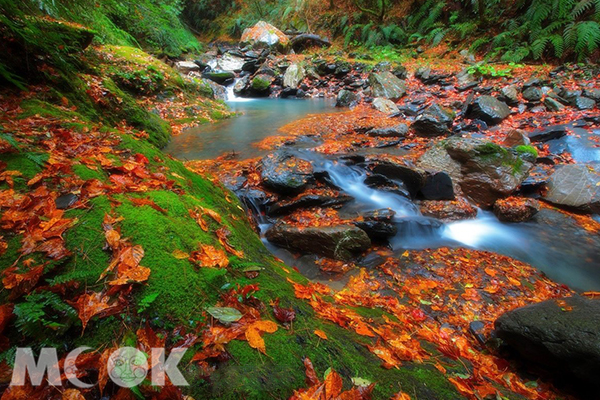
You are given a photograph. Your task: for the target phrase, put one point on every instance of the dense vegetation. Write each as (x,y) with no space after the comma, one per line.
(521,30)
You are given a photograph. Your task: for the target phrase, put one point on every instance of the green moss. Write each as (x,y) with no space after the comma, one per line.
(86,173)
(34,106)
(28,164)
(260,84)
(527,150)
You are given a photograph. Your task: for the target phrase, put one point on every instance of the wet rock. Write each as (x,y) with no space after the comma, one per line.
(341,242)
(553,104)
(544,135)
(584,103)
(294,74)
(488,109)
(412,176)
(399,130)
(285,173)
(386,85)
(435,121)
(537,179)
(385,106)
(593,94)
(185,67)
(561,337)
(516,209)
(509,95)
(516,137)
(438,186)
(400,72)
(230,62)
(218,91)
(488,171)
(532,94)
(381,182)
(382,214)
(377,231)
(65,201)
(346,98)
(260,85)
(288,92)
(308,201)
(429,77)
(453,210)
(575,186)
(220,77)
(265,34)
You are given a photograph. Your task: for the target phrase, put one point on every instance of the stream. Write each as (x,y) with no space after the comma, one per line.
(552,242)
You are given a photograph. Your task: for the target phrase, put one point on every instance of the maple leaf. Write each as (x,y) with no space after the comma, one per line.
(253,334)
(139,202)
(20,284)
(209,256)
(93,304)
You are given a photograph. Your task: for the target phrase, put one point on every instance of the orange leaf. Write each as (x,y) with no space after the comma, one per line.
(333,385)
(72,394)
(209,257)
(255,340)
(223,233)
(321,334)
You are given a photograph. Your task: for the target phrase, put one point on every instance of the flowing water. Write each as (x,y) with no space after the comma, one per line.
(553,243)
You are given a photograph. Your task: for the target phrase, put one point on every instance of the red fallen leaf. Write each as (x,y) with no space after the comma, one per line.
(89,305)
(210,257)
(6,314)
(103,368)
(147,202)
(321,334)
(283,315)
(148,339)
(253,334)
(140,158)
(333,385)
(72,394)
(311,375)
(20,284)
(222,234)
(93,188)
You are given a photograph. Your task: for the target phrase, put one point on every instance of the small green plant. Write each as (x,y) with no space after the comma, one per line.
(489,71)
(146,302)
(523,149)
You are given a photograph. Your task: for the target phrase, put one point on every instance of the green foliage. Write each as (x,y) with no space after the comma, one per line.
(43,315)
(527,150)
(489,71)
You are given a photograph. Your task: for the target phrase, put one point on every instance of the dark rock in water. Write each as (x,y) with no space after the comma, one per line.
(410,175)
(538,177)
(65,201)
(234,183)
(418,226)
(340,242)
(583,103)
(446,210)
(554,132)
(346,98)
(386,85)
(285,173)
(383,214)
(509,95)
(381,182)
(220,77)
(575,186)
(438,186)
(516,137)
(377,230)
(399,130)
(488,109)
(561,337)
(533,94)
(516,209)
(288,92)
(435,121)
(307,201)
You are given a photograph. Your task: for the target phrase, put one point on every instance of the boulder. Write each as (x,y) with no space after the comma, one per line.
(532,94)
(341,242)
(516,137)
(260,85)
(560,336)
(378,224)
(575,186)
(185,67)
(435,121)
(385,106)
(265,34)
(584,103)
(448,210)
(220,77)
(230,62)
(346,98)
(544,135)
(516,209)
(488,109)
(399,130)
(509,95)
(387,85)
(593,94)
(294,74)
(553,104)
(412,176)
(438,186)
(285,173)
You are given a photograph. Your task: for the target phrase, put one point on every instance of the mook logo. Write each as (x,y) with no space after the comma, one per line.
(126,367)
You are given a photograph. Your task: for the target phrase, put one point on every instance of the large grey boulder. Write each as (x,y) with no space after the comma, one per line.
(285,173)
(387,85)
(346,98)
(230,63)
(435,121)
(385,106)
(575,186)
(263,33)
(484,171)
(560,336)
(294,74)
(185,67)
(488,109)
(341,242)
